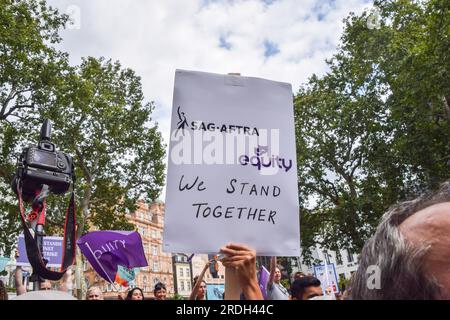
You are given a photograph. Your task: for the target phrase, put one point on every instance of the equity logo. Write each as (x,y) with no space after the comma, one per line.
(260,161)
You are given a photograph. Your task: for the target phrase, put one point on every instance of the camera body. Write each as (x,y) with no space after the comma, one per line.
(43,165)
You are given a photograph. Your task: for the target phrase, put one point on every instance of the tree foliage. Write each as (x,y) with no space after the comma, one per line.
(375,129)
(30,69)
(99,116)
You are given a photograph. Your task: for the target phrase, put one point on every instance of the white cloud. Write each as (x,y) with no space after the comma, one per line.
(156,37)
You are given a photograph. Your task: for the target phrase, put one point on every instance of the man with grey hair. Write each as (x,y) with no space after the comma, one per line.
(94,293)
(409,252)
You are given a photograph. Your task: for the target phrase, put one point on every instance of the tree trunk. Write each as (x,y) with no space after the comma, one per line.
(446,106)
(84,204)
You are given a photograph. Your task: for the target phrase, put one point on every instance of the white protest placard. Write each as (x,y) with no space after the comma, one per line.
(232,173)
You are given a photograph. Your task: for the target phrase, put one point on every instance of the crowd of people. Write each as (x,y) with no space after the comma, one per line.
(303,286)
(409,247)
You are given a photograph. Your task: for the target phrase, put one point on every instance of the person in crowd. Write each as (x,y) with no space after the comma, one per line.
(329,293)
(306,288)
(67,281)
(275,290)
(160,291)
(20,287)
(3,292)
(243,259)
(135,294)
(298,275)
(18,280)
(407,257)
(94,293)
(199,288)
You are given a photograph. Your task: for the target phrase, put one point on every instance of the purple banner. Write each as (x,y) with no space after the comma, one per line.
(264,275)
(107,250)
(52,250)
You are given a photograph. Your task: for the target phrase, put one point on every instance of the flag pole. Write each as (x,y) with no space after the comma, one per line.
(110,281)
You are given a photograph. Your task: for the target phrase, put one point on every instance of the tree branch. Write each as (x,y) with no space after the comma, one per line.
(10,97)
(19,106)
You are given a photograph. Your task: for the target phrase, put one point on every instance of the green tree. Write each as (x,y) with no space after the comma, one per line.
(101,118)
(30,69)
(374,129)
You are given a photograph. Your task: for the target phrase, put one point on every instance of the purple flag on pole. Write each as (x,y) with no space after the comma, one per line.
(264,275)
(107,250)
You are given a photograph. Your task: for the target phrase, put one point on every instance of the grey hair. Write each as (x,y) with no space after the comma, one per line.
(402,276)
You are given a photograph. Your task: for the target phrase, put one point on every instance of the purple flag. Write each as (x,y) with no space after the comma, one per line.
(107,250)
(264,275)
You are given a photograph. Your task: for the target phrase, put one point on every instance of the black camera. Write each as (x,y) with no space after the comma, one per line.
(43,165)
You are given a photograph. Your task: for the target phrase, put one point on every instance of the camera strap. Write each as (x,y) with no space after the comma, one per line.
(37,213)
(69,243)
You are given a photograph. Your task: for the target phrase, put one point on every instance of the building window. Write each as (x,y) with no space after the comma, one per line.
(145,282)
(188,285)
(181,272)
(142,231)
(182,285)
(153,233)
(155,266)
(155,250)
(338,258)
(350,256)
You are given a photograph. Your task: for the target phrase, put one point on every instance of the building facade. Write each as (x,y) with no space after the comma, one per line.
(182,275)
(345,262)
